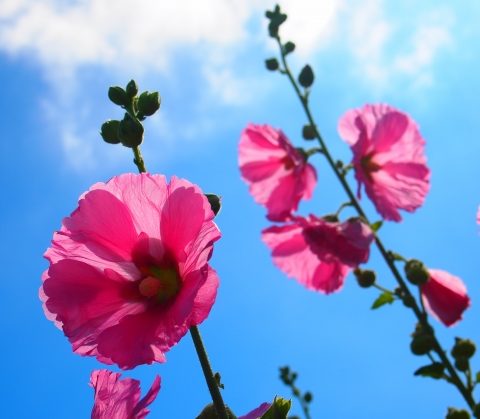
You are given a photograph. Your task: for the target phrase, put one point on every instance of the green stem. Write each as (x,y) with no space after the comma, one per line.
(421,317)
(195,333)
(208,373)
(138,160)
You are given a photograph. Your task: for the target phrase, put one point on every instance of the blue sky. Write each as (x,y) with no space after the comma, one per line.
(57,60)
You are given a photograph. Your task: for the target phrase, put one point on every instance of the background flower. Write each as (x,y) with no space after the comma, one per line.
(120,399)
(445,297)
(388,157)
(277,174)
(129,269)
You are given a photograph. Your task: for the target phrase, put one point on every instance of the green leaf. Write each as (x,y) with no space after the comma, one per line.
(396,256)
(278,410)
(376,225)
(384,298)
(434,370)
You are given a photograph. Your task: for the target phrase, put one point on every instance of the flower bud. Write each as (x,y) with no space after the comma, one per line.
(365,278)
(209,412)
(416,272)
(463,348)
(132,89)
(130,132)
(457,414)
(272,64)
(109,132)
(215,202)
(148,103)
(118,96)
(461,363)
(306,76)
(308,397)
(422,344)
(288,47)
(309,132)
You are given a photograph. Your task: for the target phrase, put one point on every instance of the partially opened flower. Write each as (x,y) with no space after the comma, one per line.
(445,296)
(388,157)
(277,174)
(258,412)
(129,271)
(317,253)
(120,399)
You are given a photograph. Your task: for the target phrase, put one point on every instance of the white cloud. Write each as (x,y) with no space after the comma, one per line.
(143,37)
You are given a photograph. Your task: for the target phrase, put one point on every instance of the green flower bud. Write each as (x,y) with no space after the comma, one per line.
(215,202)
(306,76)
(408,301)
(463,348)
(272,64)
(461,363)
(308,397)
(148,103)
(422,344)
(118,96)
(416,272)
(457,414)
(288,48)
(365,278)
(130,132)
(109,132)
(309,132)
(209,412)
(132,89)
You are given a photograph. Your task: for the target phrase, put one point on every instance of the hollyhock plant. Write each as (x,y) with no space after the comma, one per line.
(129,272)
(120,399)
(388,158)
(445,296)
(318,253)
(277,174)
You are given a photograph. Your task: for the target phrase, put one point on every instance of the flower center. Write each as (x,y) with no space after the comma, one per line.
(162,284)
(368,165)
(288,163)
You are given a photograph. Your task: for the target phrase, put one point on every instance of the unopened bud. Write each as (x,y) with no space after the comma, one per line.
(288,47)
(463,348)
(306,76)
(148,103)
(365,278)
(215,202)
(457,414)
(308,397)
(109,132)
(416,272)
(309,132)
(118,96)
(422,344)
(130,132)
(272,64)
(132,89)
(461,363)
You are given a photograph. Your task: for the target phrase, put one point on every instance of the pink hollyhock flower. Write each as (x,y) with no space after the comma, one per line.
(120,399)
(129,271)
(445,297)
(258,412)
(318,253)
(277,174)
(388,157)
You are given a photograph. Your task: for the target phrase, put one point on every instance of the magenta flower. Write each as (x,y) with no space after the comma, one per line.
(258,412)
(388,157)
(445,297)
(277,174)
(120,399)
(129,271)
(318,253)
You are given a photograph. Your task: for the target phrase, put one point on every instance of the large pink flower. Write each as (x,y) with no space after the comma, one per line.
(129,271)
(445,297)
(388,157)
(317,253)
(120,399)
(277,174)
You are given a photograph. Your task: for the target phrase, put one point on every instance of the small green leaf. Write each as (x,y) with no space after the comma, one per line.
(396,256)
(306,76)
(384,298)
(434,370)
(278,410)
(376,225)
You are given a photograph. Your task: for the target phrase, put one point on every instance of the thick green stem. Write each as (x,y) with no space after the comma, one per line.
(208,373)
(138,160)
(421,317)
